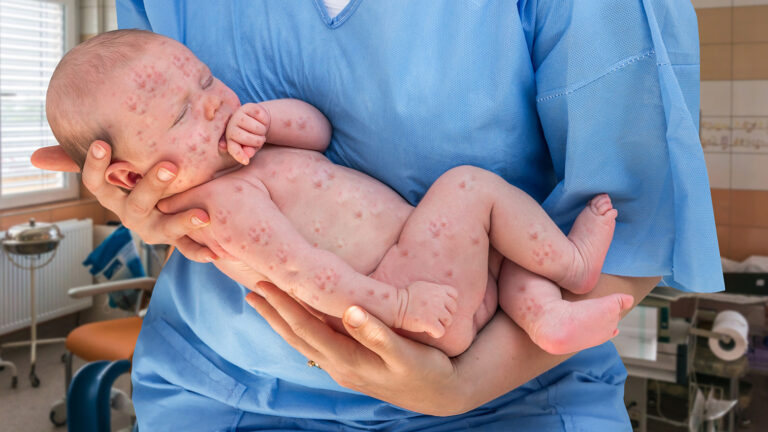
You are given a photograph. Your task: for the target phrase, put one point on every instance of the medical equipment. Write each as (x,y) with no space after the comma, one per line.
(31,246)
(690,366)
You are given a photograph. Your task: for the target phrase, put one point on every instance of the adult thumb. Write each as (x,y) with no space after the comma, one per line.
(372,333)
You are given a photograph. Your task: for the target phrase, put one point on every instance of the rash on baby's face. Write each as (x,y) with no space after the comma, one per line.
(167,106)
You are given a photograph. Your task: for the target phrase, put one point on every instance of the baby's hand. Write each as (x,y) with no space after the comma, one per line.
(247,132)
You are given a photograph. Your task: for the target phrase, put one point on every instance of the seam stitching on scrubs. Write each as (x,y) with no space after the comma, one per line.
(617,67)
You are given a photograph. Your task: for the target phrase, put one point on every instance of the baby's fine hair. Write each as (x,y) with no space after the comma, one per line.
(78,80)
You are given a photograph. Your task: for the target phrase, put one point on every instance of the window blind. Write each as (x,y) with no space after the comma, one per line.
(32,41)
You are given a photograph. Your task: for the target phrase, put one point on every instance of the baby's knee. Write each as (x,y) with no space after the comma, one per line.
(468,177)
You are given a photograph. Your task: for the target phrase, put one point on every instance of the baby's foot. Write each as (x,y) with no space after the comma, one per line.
(565,327)
(427,307)
(591,235)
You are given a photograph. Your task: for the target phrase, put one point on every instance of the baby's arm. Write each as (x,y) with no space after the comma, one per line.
(253,230)
(283,122)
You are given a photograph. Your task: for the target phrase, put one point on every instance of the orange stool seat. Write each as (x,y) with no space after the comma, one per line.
(105,340)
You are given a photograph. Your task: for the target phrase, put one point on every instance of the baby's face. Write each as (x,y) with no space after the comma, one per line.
(166,106)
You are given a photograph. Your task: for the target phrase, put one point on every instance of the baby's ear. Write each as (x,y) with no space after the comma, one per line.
(122,174)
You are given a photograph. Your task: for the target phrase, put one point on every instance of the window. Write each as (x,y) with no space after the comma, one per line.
(34,34)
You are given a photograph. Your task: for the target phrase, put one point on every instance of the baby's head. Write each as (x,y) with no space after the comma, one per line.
(147,96)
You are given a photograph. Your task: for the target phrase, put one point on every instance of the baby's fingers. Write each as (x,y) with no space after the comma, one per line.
(256,122)
(236,151)
(245,137)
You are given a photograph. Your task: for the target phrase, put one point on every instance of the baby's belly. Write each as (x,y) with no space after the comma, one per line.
(334,208)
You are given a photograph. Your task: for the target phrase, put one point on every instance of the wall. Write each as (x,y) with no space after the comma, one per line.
(734,132)
(95,16)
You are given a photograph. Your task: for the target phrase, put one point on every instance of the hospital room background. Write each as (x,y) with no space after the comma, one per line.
(74,284)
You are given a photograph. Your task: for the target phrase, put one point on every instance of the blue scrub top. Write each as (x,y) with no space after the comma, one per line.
(564,99)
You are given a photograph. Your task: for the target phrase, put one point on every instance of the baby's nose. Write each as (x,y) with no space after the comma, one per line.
(210,105)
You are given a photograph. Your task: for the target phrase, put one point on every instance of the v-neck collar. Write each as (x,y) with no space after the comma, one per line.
(339,19)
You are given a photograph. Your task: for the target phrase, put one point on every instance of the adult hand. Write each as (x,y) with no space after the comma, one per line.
(136,209)
(374,360)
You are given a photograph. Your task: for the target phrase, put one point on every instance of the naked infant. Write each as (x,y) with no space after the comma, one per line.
(330,236)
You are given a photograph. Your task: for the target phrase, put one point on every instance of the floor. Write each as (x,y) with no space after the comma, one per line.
(26,409)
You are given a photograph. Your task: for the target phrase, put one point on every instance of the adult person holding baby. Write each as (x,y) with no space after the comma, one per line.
(563,99)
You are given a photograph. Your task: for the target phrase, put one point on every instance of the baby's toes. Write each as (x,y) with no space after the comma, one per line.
(601,204)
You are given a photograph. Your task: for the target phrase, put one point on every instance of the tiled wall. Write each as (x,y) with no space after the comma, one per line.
(734,126)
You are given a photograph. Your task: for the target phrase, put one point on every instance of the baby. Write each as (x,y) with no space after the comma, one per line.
(330,236)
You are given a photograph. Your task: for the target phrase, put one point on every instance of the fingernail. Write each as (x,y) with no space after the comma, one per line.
(197,221)
(165,175)
(98,152)
(355,316)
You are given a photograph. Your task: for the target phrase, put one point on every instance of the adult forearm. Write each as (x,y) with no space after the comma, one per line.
(505,349)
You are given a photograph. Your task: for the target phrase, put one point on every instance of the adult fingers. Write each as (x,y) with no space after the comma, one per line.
(178,225)
(96,162)
(194,251)
(374,335)
(143,198)
(276,321)
(53,158)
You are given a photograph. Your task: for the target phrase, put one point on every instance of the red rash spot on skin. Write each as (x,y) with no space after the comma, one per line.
(475,241)
(242,247)
(314,244)
(326,279)
(315,298)
(533,236)
(318,184)
(221,217)
(282,255)
(370,292)
(302,123)
(423,302)
(435,254)
(522,289)
(287,123)
(404,253)
(463,185)
(434,229)
(227,239)
(261,234)
(385,296)
(193,147)
(238,188)
(358,214)
(540,261)
(449,273)
(536,253)
(271,267)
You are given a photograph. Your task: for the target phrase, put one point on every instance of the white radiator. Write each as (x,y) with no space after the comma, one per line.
(51,282)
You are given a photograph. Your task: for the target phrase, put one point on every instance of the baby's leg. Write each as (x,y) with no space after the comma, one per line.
(523,232)
(558,326)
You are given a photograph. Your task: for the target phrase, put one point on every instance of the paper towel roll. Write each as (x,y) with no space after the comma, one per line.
(734,325)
